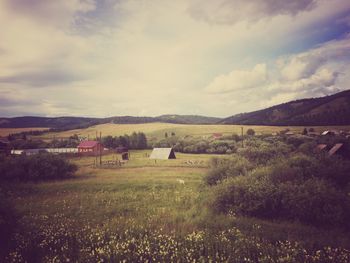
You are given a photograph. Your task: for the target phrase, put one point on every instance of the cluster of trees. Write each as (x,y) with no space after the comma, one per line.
(133,141)
(21,141)
(35,168)
(274,179)
(196,145)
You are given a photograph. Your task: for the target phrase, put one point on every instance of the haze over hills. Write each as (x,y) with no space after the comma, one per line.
(329,110)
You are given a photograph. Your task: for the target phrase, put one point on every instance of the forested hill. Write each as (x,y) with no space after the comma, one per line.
(329,110)
(66,123)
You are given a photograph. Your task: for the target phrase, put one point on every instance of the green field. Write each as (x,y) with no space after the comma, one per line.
(156,131)
(7,131)
(141,212)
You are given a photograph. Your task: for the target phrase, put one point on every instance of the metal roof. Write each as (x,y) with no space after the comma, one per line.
(335,148)
(321,147)
(87,144)
(163,153)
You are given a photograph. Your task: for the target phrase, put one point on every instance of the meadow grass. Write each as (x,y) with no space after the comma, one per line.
(141,212)
(7,131)
(156,131)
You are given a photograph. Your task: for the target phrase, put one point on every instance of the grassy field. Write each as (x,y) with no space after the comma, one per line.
(142,212)
(7,131)
(157,130)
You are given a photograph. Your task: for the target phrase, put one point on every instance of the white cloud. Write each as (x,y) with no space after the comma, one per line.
(313,73)
(239,79)
(139,57)
(231,12)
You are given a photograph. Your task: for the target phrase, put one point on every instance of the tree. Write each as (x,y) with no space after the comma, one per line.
(141,141)
(166,135)
(173,134)
(250,132)
(304,131)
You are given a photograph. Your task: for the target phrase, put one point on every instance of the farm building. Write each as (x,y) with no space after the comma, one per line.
(44,150)
(330,133)
(321,148)
(163,153)
(217,135)
(339,149)
(90,147)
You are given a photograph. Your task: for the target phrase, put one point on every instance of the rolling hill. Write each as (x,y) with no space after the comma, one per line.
(68,123)
(329,110)
(324,111)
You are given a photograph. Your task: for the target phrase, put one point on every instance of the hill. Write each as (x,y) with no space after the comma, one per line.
(329,110)
(68,123)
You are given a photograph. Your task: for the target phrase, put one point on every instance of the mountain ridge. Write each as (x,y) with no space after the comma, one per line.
(328,110)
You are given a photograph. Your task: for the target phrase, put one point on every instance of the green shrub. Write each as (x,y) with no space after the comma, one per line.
(265,152)
(35,168)
(225,168)
(313,202)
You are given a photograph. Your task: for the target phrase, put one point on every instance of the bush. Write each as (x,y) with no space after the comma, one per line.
(35,168)
(265,152)
(250,132)
(314,201)
(225,168)
(309,189)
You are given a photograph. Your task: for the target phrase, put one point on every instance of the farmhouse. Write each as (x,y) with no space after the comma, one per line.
(217,135)
(330,133)
(163,153)
(339,149)
(90,147)
(321,148)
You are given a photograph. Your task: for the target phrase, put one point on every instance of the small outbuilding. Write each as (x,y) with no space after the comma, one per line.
(90,147)
(163,153)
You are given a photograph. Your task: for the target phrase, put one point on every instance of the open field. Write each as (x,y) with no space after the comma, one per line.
(142,211)
(7,131)
(157,130)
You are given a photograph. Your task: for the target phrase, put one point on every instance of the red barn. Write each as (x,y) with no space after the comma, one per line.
(90,147)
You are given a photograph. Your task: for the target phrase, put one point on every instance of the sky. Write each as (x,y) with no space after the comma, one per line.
(102,58)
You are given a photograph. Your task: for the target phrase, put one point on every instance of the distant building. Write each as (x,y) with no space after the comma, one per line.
(289,133)
(44,150)
(321,148)
(330,133)
(217,135)
(163,153)
(339,149)
(90,147)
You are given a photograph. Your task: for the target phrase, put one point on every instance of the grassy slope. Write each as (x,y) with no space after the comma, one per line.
(157,130)
(7,131)
(147,194)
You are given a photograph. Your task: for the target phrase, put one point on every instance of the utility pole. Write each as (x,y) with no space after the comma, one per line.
(96,151)
(100,148)
(242,137)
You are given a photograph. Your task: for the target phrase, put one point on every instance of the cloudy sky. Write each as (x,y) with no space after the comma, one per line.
(151,57)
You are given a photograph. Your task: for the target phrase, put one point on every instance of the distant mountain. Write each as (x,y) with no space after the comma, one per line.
(329,110)
(67,123)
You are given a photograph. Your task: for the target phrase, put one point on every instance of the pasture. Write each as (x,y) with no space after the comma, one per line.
(156,131)
(7,131)
(143,212)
